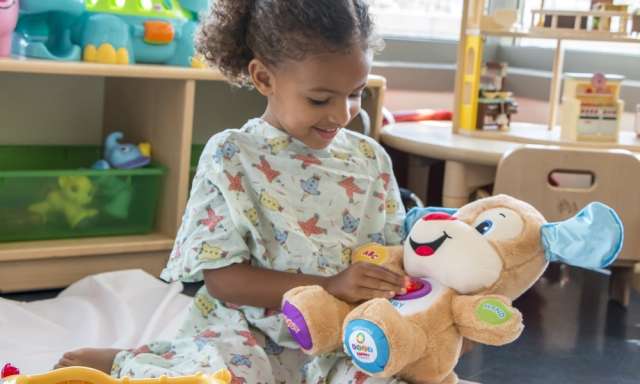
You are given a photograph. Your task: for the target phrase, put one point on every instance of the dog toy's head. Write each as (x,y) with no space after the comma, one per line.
(502,245)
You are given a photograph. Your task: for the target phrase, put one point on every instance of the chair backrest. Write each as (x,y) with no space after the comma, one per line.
(531,173)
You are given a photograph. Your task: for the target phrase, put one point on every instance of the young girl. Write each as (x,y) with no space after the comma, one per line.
(279,203)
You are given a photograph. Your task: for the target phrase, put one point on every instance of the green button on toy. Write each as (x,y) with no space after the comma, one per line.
(493,311)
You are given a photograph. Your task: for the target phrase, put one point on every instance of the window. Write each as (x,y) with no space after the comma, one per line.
(418,18)
(579,5)
(440,19)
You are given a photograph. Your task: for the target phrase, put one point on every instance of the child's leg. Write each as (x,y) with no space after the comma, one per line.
(222,346)
(286,363)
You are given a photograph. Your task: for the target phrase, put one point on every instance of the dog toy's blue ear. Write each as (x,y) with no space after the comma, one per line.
(416,213)
(591,239)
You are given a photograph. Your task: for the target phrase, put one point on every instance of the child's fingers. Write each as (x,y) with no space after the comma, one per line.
(377,284)
(383,274)
(368,294)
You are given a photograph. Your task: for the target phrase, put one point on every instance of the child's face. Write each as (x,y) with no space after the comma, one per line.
(314,98)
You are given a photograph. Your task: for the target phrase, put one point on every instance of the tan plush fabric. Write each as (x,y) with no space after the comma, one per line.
(425,346)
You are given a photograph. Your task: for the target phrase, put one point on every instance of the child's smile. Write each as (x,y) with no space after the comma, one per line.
(327,134)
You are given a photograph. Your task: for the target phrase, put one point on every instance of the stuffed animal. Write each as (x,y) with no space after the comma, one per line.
(71,198)
(125,156)
(466,267)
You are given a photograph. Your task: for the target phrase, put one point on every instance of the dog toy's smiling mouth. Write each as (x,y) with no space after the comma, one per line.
(428,249)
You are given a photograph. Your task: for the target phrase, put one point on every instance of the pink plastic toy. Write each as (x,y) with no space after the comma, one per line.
(8,20)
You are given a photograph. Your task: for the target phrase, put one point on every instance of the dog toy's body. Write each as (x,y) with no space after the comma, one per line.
(466,269)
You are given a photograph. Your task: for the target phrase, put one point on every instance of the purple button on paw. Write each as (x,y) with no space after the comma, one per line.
(297,325)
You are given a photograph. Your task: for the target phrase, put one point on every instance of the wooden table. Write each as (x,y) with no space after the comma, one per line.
(471,159)
(469,162)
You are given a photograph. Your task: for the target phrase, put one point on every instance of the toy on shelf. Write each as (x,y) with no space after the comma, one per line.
(110,32)
(156,31)
(8,20)
(44,29)
(123,156)
(116,192)
(495,104)
(466,268)
(500,20)
(71,198)
(591,107)
(604,19)
(84,375)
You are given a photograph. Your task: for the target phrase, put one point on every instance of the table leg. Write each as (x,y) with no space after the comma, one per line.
(620,284)
(418,173)
(461,179)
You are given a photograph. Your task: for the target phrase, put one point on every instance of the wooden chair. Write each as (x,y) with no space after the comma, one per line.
(610,176)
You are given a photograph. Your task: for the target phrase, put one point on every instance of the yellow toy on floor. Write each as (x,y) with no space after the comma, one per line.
(84,375)
(466,268)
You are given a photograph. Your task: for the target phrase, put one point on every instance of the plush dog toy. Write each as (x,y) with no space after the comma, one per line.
(466,268)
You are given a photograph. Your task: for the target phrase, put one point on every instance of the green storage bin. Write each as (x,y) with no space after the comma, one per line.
(50,192)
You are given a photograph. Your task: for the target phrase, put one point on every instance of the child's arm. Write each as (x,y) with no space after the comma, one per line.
(244,284)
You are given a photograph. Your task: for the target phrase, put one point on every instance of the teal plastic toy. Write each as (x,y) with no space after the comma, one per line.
(108,31)
(44,29)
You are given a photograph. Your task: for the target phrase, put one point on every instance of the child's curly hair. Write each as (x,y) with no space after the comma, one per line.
(236,31)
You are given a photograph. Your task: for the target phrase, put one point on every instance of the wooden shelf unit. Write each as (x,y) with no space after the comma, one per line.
(559,35)
(148,103)
(33,66)
(470,55)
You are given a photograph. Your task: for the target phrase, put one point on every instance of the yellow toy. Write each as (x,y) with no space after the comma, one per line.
(466,268)
(84,375)
(71,198)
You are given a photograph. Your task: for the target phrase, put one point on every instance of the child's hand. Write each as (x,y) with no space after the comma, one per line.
(364,281)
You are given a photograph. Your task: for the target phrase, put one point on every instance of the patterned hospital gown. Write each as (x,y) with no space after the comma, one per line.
(261,196)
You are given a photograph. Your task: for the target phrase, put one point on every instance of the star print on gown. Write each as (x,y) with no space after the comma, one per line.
(350,187)
(212,220)
(310,228)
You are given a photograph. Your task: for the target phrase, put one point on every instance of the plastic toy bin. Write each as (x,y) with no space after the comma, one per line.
(50,192)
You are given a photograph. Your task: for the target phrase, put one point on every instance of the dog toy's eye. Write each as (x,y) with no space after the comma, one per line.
(499,224)
(484,227)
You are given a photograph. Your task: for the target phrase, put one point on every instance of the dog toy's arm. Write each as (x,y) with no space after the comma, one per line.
(487,319)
